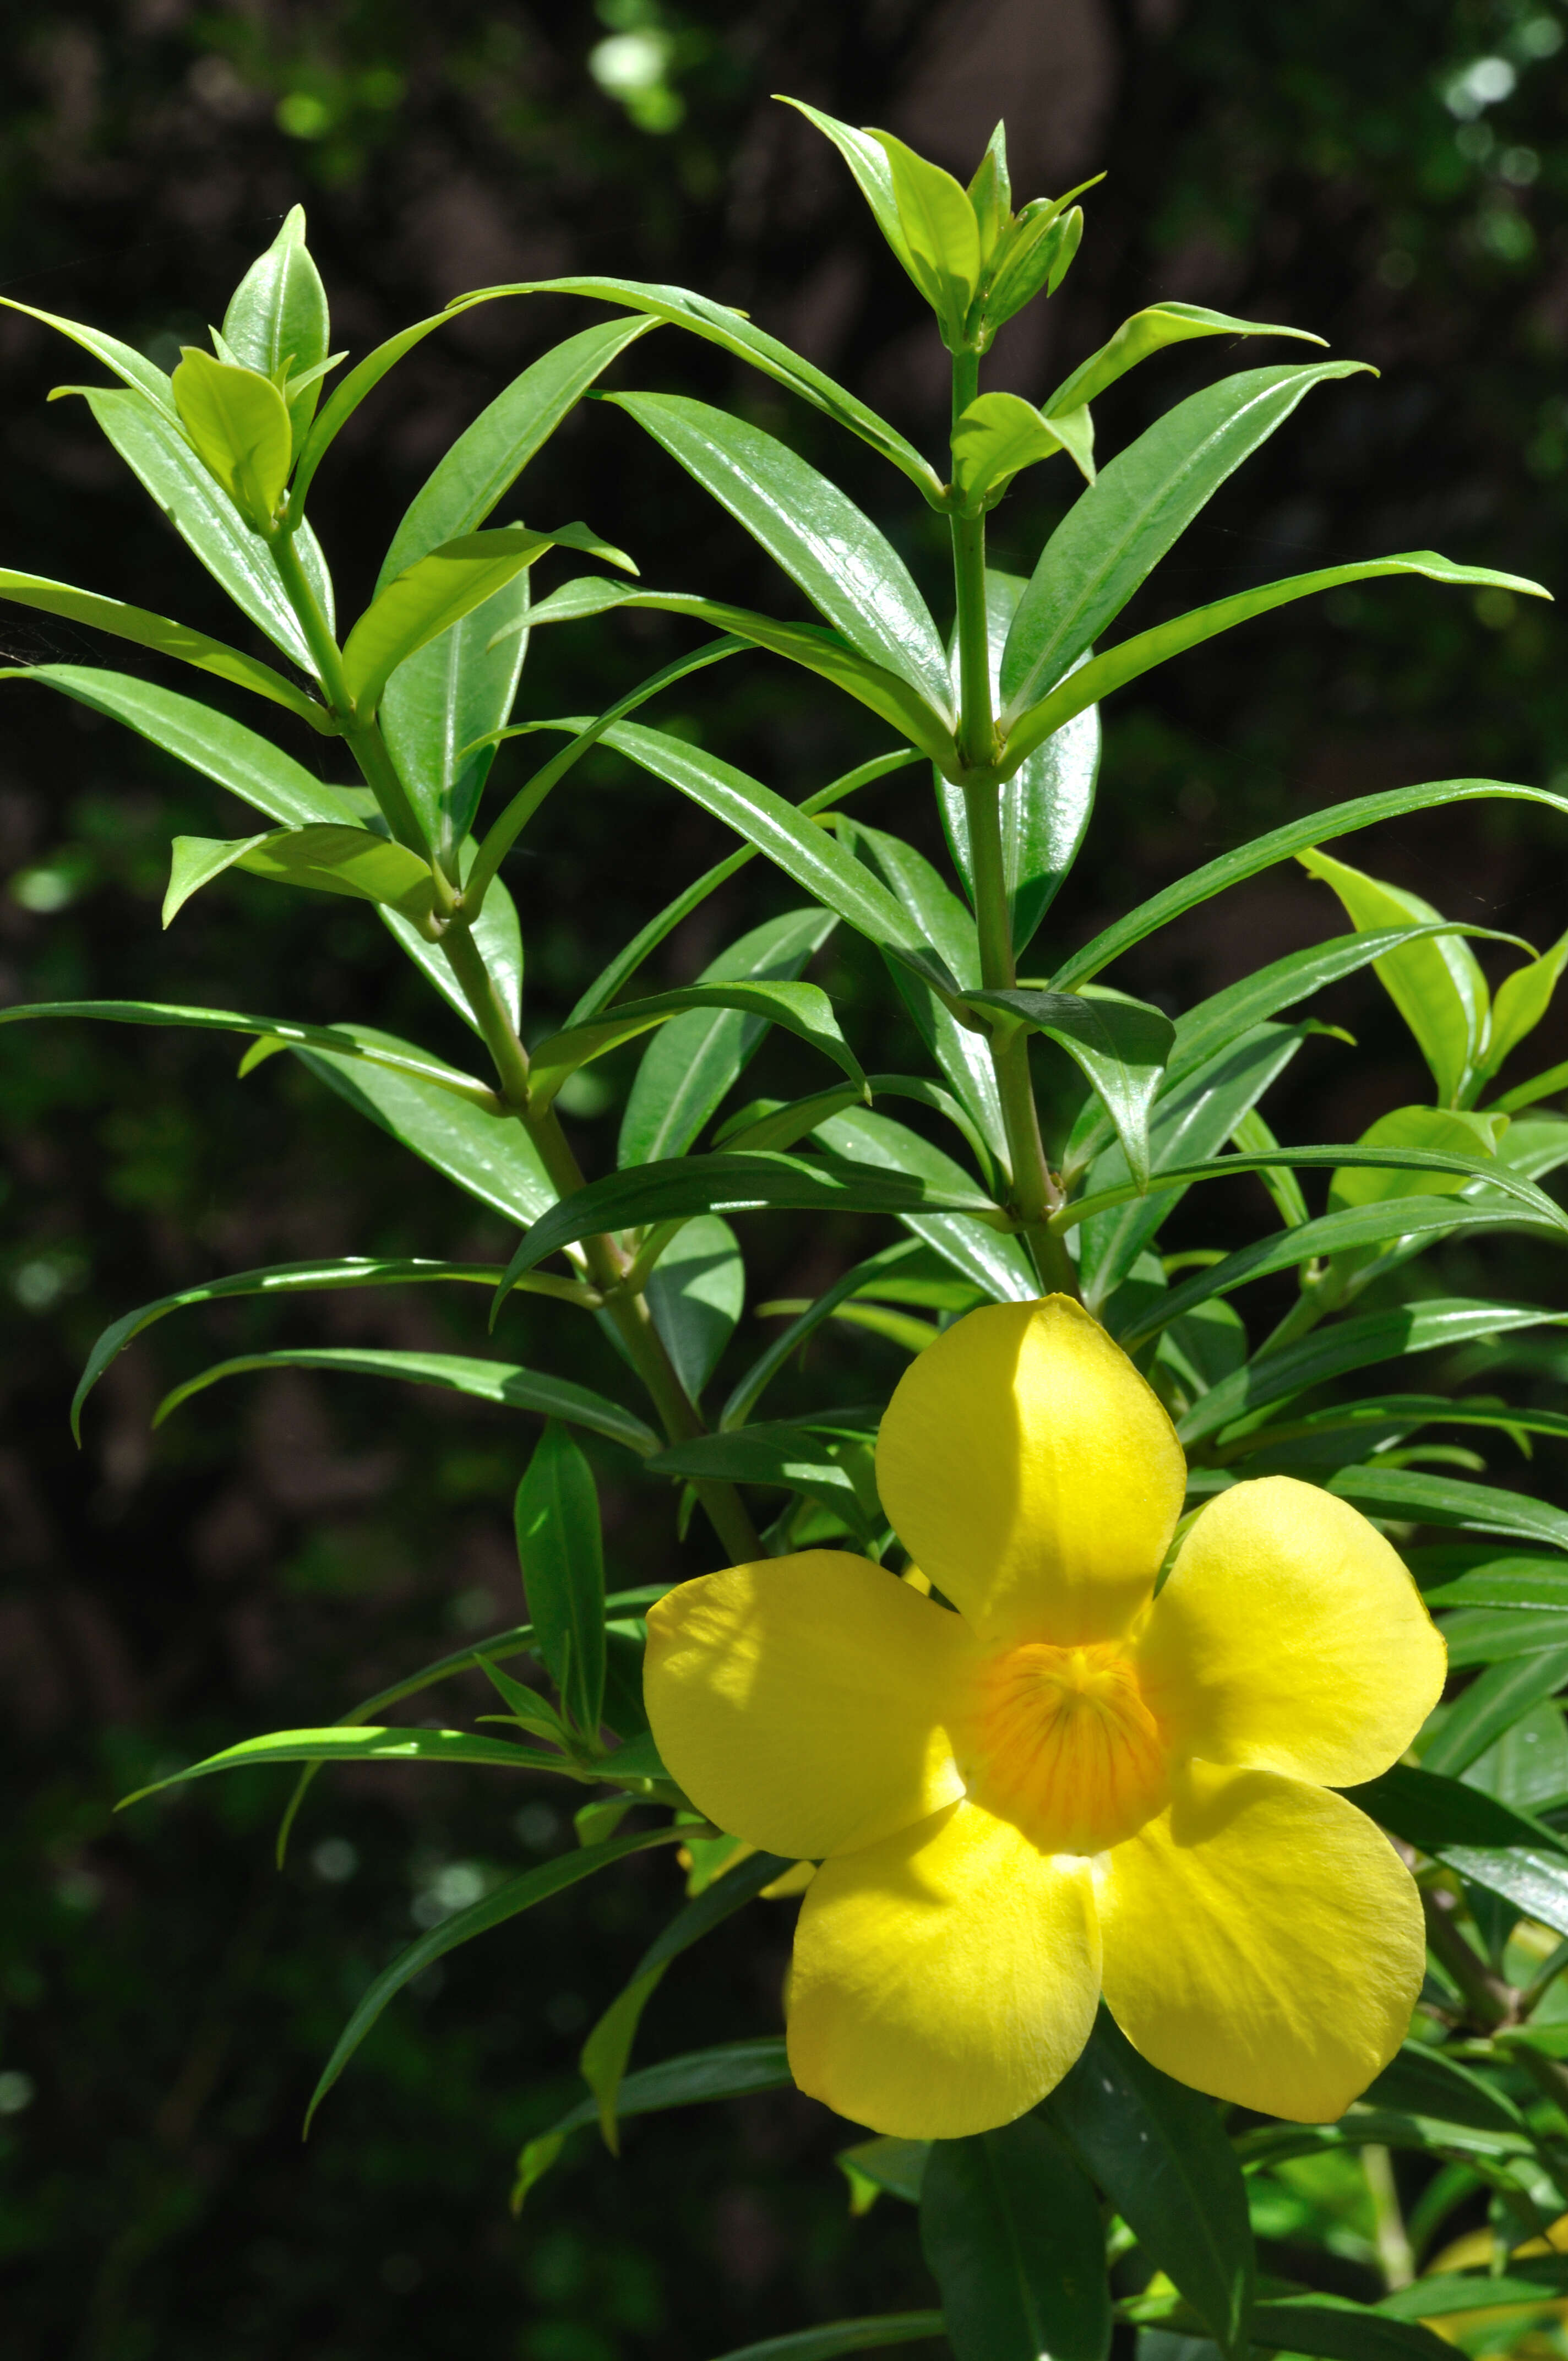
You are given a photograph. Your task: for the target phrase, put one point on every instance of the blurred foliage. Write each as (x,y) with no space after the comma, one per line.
(1396,179)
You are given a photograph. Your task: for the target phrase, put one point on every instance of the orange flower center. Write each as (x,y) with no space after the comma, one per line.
(1060,1742)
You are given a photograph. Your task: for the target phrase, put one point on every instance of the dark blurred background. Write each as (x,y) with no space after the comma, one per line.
(1396,179)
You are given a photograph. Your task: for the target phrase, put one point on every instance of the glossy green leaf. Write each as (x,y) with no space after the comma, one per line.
(1097,677)
(802,1009)
(697,1057)
(337,1744)
(516,1894)
(1421,1496)
(209,524)
(1045,803)
(731,330)
(561,1551)
(847,569)
(1119,1045)
(1278,844)
(277,318)
(748,1390)
(1522,1000)
(808,856)
(941,233)
(1038,254)
(1116,532)
(1013,2235)
(1149,331)
(277,1279)
(133,369)
(787,1457)
(1536,1884)
(1478,1573)
(1448,1130)
(495,1381)
(340,1041)
(1481,1635)
(1337,2331)
(1436,2296)
(866,155)
(497,932)
(676,1186)
(165,639)
(845,2336)
(1356,1344)
(237,422)
(496,1162)
(323,858)
(1489,1704)
(975,1245)
(1159,2152)
(695,1295)
(223,750)
(1422,2082)
(1437,985)
(1438,1813)
(438,590)
(996,437)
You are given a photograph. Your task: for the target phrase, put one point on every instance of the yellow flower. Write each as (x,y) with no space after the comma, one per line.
(1068,1786)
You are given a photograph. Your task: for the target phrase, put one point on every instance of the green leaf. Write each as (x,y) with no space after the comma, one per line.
(603,2056)
(496,1162)
(1337,2331)
(1450,1130)
(224,751)
(1413,1494)
(845,2336)
(802,1009)
(808,856)
(941,234)
(997,434)
(846,569)
(276,1279)
(559,1547)
(165,639)
(991,193)
(1491,1703)
(1475,1573)
(1443,2293)
(733,333)
(517,1893)
(133,369)
(337,1744)
(1493,1635)
(1355,1344)
(323,858)
(978,1247)
(1523,999)
(1438,1813)
(1159,2152)
(459,688)
(1116,532)
(1232,868)
(239,425)
(1038,253)
(697,1294)
(437,590)
(156,451)
(748,1390)
(282,1031)
(792,1458)
(1422,2081)
(676,1186)
(896,2164)
(1150,331)
(865,152)
(1097,677)
(697,1057)
(1533,1881)
(340,407)
(1119,1045)
(1437,985)
(497,932)
(276,317)
(498,1381)
(1012,2234)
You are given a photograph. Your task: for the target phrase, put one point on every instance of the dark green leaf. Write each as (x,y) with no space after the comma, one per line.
(845,2336)
(496,1382)
(1440,1814)
(556,1515)
(1345,2332)
(1013,2237)
(748,1390)
(1120,1045)
(801,1009)
(1422,2081)
(338,1744)
(978,1247)
(323,858)
(696,1294)
(1489,1706)
(791,1457)
(1438,2296)
(1413,1494)
(1159,2152)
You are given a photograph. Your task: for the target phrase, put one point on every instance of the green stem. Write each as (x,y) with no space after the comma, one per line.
(1490,2000)
(606,1266)
(1394,2249)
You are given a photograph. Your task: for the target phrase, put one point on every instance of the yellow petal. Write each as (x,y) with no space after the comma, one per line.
(943,1981)
(1032,1473)
(1263,1942)
(1289,1636)
(800,1701)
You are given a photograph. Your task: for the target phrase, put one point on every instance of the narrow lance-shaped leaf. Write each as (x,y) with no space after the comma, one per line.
(277,319)
(731,2071)
(941,234)
(1012,2234)
(503,1382)
(556,1515)
(1437,985)
(1099,674)
(1149,331)
(1522,1000)
(133,369)
(165,639)
(323,858)
(1116,532)
(830,549)
(801,1009)
(838,2336)
(1120,1045)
